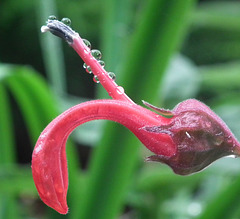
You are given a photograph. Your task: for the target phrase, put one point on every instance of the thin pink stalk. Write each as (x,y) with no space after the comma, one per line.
(74,40)
(114,91)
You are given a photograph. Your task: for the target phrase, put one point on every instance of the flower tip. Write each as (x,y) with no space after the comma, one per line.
(59,205)
(44,29)
(62,210)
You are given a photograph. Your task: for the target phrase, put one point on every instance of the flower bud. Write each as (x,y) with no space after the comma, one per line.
(200,135)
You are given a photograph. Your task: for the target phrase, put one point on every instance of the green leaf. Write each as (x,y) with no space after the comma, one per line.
(220,78)
(33,120)
(218,15)
(51,48)
(7,148)
(16,180)
(38,108)
(224,203)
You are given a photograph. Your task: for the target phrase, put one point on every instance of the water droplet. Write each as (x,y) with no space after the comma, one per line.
(52,17)
(219,138)
(89,70)
(112,75)
(95,79)
(66,21)
(120,90)
(87,43)
(102,63)
(218,141)
(96,54)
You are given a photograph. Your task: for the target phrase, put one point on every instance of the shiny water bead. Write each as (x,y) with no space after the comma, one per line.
(102,63)
(89,70)
(84,65)
(120,90)
(87,43)
(66,21)
(96,54)
(112,75)
(52,17)
(95,79)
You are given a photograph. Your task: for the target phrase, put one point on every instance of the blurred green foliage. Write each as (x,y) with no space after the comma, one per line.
(162,51)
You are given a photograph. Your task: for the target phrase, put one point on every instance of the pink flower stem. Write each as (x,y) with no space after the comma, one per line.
(63,31)
(114,91)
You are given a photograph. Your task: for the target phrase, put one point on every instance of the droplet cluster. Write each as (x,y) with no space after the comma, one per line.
(65,20)
(97,55)
(94,52)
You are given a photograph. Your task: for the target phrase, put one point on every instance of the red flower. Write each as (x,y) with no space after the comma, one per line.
(191,138)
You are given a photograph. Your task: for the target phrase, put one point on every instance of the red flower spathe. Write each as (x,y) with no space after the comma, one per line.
(188,141)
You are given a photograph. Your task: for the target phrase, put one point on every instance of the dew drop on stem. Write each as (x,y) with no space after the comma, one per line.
(102,63)
(87,67)
(66,21)
(87,43)
(95,79)
(120,90)
(52,17)
(96,54)
(112,75)
(89,70)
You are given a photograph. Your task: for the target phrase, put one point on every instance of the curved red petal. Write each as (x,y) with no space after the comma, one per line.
(49,165)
